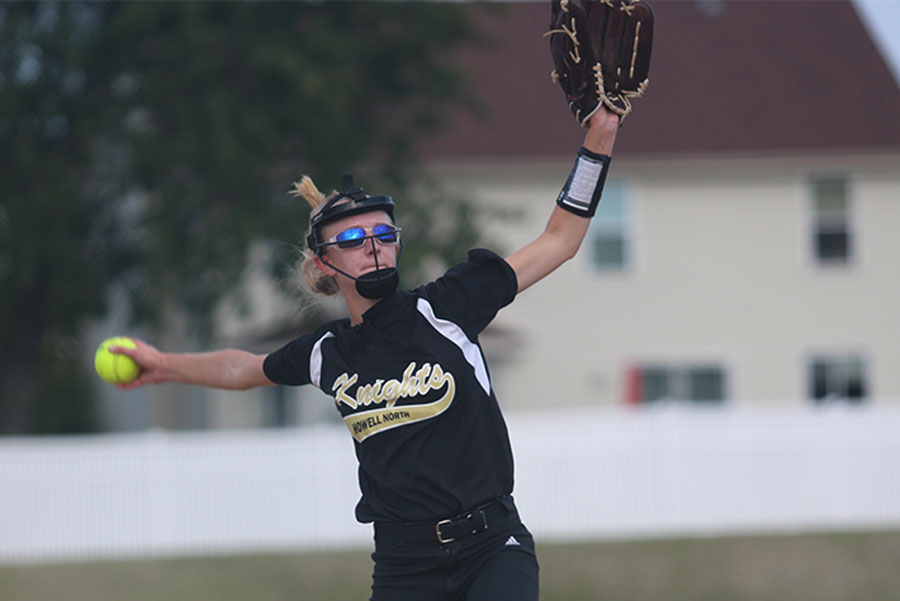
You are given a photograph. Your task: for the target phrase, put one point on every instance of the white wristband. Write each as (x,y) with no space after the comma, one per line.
(582,191)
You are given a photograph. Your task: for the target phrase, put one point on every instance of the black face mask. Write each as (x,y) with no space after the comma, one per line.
(377,284)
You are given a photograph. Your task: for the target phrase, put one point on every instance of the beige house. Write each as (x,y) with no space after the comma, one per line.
(745,253)
(734,279)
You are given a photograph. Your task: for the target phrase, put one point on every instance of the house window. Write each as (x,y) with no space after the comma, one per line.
(832,236)
(695,383)
(608,242)
(837,378)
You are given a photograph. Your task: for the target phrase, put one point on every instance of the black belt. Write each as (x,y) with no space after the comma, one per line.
(448,530)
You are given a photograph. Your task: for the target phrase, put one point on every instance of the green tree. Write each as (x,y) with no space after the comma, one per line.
(145,146)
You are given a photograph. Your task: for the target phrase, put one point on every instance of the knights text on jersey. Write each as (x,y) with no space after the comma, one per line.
(413,388)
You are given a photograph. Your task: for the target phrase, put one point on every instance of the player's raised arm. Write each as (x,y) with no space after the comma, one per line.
(230,369)
(601,57)
(576,204)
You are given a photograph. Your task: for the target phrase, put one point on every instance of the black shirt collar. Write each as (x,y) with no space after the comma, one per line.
(376,312)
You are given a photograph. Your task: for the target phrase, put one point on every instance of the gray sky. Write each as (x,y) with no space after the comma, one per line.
(882,17)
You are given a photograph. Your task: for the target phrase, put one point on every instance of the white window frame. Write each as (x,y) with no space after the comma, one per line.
(681,369)
(624,191)
(835,356)
(853,247)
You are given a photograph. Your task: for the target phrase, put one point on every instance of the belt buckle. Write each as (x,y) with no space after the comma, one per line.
(440,537)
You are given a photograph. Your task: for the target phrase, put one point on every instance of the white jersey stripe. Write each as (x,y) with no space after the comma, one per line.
(455,334)
(315,361)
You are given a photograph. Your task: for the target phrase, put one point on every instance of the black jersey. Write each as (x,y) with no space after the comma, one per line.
(412,385)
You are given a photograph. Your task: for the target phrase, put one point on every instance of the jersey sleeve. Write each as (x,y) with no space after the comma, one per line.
(289,365)
(471,293)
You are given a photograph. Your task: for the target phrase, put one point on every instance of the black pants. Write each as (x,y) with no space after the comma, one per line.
(498,564)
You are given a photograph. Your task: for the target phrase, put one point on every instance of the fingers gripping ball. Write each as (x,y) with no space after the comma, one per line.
(116,368)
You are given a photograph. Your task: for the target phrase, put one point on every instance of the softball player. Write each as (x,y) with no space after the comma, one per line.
(409,379)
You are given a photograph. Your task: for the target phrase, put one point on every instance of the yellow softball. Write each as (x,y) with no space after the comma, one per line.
(116,368)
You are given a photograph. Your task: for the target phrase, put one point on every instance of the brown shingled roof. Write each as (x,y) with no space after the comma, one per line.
(753,76)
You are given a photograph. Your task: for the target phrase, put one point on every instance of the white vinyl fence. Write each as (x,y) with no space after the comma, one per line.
(581,475)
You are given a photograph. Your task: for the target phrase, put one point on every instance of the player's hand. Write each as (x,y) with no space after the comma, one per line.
(602,129)
(150,360)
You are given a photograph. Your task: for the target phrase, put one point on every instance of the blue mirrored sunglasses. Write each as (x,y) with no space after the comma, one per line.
(354,236)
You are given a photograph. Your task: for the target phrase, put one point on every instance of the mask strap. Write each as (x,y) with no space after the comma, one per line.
(372,240)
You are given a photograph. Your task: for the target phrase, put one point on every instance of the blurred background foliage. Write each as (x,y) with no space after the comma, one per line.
(145,147)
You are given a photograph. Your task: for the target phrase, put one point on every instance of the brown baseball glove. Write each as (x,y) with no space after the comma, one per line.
(601,51)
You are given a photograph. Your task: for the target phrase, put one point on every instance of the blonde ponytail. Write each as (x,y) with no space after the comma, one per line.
(307,190)
(312,276)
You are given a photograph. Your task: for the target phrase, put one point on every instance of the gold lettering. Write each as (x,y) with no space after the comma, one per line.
(423,384)
(409,381)
(340,387)
(377,395)
(364,395)
(391,392)
(365,424)
(438,377)
(415,382)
